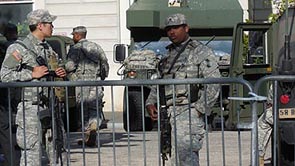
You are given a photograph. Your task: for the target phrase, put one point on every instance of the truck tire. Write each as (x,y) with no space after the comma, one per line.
(135,110)
(229,125)
(286,147)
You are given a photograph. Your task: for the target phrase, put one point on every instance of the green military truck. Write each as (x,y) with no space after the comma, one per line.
(282,47)
(273,53)
(243,49)
(256,50)
(145,20)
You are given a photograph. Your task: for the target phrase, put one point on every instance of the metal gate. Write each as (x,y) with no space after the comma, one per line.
(116,146)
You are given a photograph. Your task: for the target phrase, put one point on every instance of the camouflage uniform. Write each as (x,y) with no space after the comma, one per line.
(265,125)
(85,60)
(18,66)
(196,61)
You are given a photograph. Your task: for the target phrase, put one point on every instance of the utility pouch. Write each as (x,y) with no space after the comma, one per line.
(193,72)
(41,61)
(45,118)
(182,90)
(194,92)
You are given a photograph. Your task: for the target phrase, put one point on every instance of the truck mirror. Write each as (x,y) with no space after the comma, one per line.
(120,52)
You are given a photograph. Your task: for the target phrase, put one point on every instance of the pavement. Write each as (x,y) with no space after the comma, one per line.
(117,147)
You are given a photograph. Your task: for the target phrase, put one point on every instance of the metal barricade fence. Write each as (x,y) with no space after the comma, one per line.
(118,147)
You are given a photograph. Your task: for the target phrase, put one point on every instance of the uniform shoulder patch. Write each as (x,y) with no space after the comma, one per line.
(15,54)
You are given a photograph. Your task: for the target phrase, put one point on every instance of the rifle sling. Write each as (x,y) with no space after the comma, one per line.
(178,54)
(26,47)
(25,66)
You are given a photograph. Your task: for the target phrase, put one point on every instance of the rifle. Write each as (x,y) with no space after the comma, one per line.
(57,108)
(164,126)
(102,72)
(59,140)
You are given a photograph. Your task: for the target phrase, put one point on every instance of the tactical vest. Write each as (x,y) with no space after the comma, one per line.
(88,66)
(186,66)
(141,59)
(48,58)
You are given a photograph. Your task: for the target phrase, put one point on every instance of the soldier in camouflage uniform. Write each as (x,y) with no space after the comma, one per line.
(10,34)
(196,61)
(20,64)
(87,62)
(265,125)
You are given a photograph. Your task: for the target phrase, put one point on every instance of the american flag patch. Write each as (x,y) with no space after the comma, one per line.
(16,55)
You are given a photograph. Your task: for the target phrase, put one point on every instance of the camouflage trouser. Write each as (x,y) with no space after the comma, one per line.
(265,124)
(187,140)
(90,107)
(29,141)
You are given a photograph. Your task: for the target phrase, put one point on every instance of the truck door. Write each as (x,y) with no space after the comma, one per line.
(251,59)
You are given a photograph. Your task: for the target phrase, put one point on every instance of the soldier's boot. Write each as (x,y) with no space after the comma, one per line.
(261,160)
(91,134)
(91,139)
(104,124)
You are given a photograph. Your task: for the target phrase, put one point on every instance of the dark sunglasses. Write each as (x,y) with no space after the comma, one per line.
(47,23)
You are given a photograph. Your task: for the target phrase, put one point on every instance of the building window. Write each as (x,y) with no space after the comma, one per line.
(15,12)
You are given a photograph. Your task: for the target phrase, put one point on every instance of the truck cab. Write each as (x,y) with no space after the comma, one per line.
(145,19)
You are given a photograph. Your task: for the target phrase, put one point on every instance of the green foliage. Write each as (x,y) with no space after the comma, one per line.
(280,7)
(245,46)
(23,29)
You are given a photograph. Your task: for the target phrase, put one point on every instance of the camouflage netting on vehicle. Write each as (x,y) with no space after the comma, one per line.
(144,59)
(224,60)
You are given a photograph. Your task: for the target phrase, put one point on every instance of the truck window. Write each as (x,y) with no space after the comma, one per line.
(159,47)
(15,12)
(220,47)
(254,44)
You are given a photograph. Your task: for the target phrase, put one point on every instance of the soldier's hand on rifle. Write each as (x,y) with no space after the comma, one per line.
(60,72)
(152,110)
(39,71)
